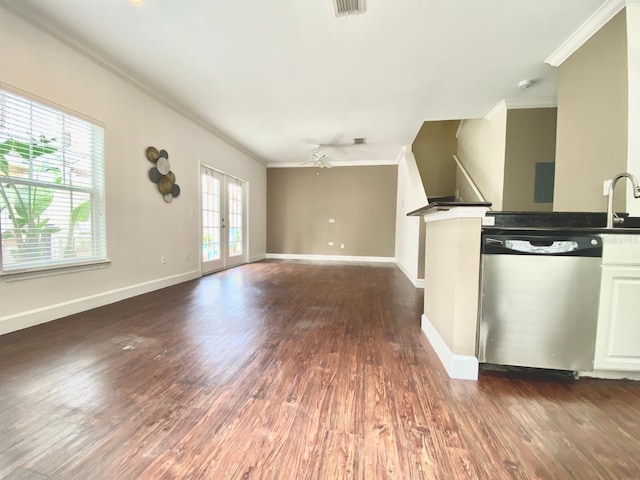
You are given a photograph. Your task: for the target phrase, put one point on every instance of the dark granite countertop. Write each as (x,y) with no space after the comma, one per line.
(557,223)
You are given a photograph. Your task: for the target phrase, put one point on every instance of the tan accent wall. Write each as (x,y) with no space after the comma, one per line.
(481,149)
(451,283)
(592,120)
(531,138)
(361,200)
(433,149)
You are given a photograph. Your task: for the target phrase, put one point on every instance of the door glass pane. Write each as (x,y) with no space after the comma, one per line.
(235,219)
(210,217)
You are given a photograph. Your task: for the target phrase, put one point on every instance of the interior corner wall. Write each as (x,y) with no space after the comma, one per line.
(481,149)
(409,241)
(140,225)
(531,138)
(433,149)
(360,200)
(592,130)
(633,54)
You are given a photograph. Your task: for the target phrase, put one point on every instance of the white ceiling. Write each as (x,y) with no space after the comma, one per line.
(279,76)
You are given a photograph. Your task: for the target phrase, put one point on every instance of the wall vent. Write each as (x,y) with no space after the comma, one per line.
(359,141)
(348,7)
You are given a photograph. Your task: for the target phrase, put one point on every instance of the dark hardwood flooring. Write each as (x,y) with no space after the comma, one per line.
(290,370)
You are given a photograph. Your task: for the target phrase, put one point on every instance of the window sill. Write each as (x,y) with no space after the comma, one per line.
(29,274)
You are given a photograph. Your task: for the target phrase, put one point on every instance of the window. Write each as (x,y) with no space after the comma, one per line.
(51,187)
(235,218)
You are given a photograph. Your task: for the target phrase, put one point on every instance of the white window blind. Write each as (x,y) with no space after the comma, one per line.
(51,187)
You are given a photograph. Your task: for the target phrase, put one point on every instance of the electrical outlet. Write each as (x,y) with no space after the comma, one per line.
(342,245)
(163,259)
(188,256)
(332,220)
(331,244)
(605,187)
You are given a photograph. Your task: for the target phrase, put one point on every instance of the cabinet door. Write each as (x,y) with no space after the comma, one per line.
(618,336)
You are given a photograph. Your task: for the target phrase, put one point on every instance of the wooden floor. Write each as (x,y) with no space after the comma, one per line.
(289,370)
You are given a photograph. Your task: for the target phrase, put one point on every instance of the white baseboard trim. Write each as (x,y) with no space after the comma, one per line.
(257,258)
(417,282)
(464,367)
(19,321)
(333,258)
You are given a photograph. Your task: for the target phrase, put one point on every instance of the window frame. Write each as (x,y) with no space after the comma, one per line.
(96,192)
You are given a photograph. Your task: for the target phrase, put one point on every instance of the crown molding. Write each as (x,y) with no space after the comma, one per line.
(110,64)
(519,104)
(585,31)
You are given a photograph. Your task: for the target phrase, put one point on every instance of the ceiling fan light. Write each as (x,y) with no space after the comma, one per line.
(344,8)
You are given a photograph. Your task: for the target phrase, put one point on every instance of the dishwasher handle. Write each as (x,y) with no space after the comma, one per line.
(575,246)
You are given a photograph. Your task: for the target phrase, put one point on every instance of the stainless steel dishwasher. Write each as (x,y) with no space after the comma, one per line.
(539,301)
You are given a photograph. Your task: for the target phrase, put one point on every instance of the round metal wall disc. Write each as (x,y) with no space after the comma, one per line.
(175,190)
(154,175)
(168,197)
(152,154)
(165,185)
(163,165)
(163,154)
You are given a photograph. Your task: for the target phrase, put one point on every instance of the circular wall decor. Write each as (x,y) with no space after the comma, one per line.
(163,165)
(154,175)
(152,154)
(161,173)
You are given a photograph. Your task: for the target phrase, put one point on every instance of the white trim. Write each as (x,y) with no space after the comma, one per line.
(499,107)
(455,212)
(18,321)
(521,104)
(595,22)
(257,258)
(417,282)
(341,163)
(332,258)
(464,367)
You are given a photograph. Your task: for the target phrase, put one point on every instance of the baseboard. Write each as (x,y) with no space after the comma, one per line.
(464,367)
(257,258)
(417,282)
(19,321)
(333,258)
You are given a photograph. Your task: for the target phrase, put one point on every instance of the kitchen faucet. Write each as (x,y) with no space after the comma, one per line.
(611,216)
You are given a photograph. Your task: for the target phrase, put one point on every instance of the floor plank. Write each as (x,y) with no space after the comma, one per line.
(290,370)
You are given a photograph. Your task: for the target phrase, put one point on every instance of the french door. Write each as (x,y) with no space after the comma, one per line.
(224,233)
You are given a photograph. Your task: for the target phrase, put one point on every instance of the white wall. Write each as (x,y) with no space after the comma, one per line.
(140,225)
(481,149)
(633,49)
(411,196)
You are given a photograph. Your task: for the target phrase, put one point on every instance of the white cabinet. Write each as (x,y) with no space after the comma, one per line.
(618,335)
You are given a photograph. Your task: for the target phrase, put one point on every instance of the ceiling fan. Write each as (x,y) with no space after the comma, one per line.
(318,159)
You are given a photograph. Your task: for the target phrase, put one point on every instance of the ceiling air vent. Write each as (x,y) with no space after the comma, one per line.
(359,141)
(348,7)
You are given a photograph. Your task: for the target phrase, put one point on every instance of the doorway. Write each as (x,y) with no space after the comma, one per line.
(224,232)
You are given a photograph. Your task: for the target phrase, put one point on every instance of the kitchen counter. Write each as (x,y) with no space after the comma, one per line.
(563,223)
